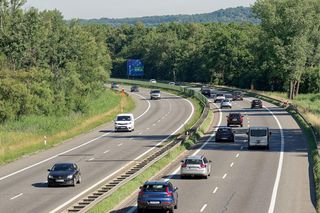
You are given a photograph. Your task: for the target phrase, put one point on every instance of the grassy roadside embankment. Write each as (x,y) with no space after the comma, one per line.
(26,136)
(127,189)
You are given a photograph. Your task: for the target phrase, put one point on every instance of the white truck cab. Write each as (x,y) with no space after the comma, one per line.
(124,122)
(258,137)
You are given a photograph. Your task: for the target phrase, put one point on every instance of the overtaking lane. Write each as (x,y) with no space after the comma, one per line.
(175,109)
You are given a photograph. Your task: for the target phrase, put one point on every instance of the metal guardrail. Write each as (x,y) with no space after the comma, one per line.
(85,203)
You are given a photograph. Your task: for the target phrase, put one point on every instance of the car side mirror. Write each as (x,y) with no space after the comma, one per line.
(247,133)
(49,170)
(270,133)
(175,188)
(182,161)
(210,161)
(140,187)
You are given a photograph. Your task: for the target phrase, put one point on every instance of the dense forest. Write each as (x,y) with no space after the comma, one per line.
(50,66)
(237,15)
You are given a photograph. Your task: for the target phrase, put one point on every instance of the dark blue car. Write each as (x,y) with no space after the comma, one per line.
(157,195)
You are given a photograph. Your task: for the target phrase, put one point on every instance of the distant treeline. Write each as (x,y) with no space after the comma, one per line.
(48,66)
(237,15)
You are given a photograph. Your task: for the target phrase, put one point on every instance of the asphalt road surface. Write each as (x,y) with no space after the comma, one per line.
(250,181)
(99,153)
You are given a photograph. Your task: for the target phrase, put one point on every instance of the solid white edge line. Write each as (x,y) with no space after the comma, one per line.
(203,207)
(69,150)
(277,180)
(16,196)
(280,163)
(104,179)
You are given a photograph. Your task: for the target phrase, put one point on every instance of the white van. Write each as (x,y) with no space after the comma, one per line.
(124,122)
(258,137)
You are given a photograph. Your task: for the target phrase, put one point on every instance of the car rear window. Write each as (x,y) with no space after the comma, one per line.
(224,130)
(234,115)
(258,132)
(123,118)
(154,188)
(193,161)
(63,167)
(155,91)
(256,101)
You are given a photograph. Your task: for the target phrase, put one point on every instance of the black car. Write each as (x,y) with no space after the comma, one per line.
(237,95)
(225,134)
(134,88)
(206,91)
(256,104)
(235,119)
(64,174)
(114,85)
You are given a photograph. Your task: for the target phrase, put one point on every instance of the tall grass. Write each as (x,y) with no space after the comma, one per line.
(26,136)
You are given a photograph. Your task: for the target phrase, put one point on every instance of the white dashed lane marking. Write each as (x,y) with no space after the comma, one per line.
(120,144)
(231,165)
(224,176)
(203,207)
(215,190)
(237,155)
(16,196)
(106,151)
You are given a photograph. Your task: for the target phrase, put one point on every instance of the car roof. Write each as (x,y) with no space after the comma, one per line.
(258,127)
(64,164)
(195,157)
(159,182)
(125,114)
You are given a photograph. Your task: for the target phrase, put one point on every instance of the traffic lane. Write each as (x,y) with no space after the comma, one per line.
(296,180)
(105,129)
(101,160)
(256,161)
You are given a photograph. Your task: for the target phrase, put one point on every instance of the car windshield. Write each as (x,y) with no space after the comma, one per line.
(256,101)
(219,95)
(226,100)
(258,132)
(154,188)
(63,167)
(155,91)
(193,161)
(123,118)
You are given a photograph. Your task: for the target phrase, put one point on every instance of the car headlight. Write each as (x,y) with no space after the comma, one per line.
(70,176)
(50,176)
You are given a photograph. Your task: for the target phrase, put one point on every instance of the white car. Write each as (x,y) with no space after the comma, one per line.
(226,103)
(258,137)
(219,98)
(153,81)
(196,165)
(172,83)
(124,122)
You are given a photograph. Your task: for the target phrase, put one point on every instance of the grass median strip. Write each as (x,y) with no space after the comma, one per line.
(126,190)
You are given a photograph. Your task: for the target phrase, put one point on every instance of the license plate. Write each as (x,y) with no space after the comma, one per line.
(224,138)
(154,202)
(59,181)
(234,119)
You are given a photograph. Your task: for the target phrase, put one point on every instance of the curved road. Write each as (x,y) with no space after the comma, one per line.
(249,181)
(99,154)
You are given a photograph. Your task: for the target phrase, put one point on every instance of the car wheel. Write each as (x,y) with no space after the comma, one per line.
(206,177)
(74,182)
(50,185)
(79,180)
(249,147)
(228,125)
(267,147)
(241,125)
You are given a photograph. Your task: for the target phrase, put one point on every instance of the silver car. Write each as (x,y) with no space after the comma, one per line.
(226,103)
(196,165)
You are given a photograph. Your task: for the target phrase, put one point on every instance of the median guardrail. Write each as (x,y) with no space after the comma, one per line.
(86,202)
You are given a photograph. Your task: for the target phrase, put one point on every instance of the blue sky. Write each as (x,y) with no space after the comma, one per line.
(133,8)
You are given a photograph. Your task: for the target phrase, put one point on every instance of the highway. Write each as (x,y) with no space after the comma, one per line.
(278,180)
(99,154)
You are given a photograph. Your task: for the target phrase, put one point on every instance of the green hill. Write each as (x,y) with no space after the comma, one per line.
(238,14)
